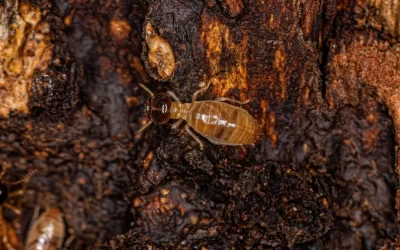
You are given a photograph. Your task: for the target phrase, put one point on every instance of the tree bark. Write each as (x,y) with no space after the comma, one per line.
(321,77)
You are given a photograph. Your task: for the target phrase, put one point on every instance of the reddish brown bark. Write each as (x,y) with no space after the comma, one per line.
(322,81)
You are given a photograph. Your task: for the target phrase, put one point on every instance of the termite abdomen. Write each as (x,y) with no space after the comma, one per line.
(222,123)
(47,232)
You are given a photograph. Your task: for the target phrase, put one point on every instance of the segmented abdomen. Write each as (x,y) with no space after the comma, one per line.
(47,232)
(223,123)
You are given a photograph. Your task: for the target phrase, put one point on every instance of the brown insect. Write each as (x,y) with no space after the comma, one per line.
(9,239)
(47,232)
(221,123)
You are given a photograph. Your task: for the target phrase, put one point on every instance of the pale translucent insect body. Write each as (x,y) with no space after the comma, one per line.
(221,123)
(47,232)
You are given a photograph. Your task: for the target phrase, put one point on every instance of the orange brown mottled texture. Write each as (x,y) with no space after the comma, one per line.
(379,15)
(269,123)
(389,12)
(360,64)
(120,28)
(252,58)
(233,7)
(310,22)
(24,48)
(366,64)
(218,41)
(36,69)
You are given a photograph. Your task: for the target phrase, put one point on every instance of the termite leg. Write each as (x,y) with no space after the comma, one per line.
(69,241)
(12,208)
(217,142)
(16,193)
(224,99)
(195,94)
(144,127)
(146,89)
(177,124)
(172,94)
(187,128)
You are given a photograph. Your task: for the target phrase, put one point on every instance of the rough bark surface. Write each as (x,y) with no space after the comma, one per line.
(322,79)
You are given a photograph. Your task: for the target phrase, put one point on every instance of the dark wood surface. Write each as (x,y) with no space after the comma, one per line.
(322,78)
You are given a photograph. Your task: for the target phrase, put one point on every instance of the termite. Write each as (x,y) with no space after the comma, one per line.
(9,239)
(47,232)
(221,123)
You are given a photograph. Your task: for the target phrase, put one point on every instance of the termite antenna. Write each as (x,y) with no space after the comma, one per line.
(144,127)
(68,242)
(147,90)
(24,179)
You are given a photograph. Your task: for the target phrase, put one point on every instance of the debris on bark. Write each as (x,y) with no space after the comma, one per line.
(36,69)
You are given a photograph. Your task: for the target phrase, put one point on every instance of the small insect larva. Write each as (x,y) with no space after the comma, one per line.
(219,122)
(47,232)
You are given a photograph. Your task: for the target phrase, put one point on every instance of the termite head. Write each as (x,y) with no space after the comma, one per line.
(158,108)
